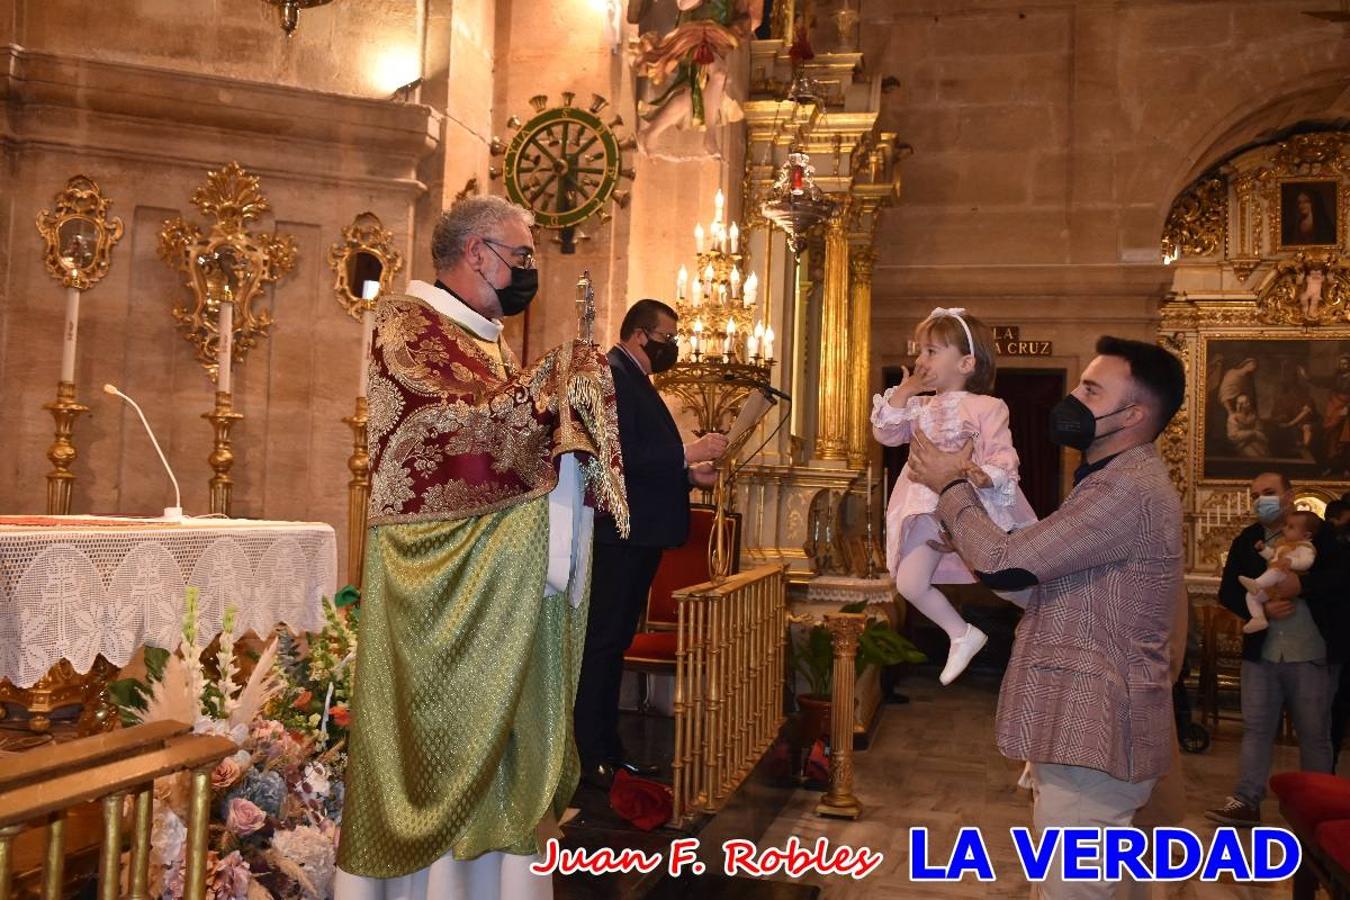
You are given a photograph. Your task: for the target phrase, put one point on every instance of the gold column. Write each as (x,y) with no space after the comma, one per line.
(839,801)
(7,835)
(358,493)
(199,813)
(62,452)
(222,419)
(860,268)
(140,847)
(53,872)
(832,417)
(110,858)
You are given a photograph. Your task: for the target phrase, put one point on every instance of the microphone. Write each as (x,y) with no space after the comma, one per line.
(175,512)
(760,385)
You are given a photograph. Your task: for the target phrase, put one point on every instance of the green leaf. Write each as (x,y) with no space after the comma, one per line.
(348,596)
(155,660)
(859,607)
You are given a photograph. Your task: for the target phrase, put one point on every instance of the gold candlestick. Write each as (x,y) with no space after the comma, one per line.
(61,480)
(222,419)
(358,494)
(839,801)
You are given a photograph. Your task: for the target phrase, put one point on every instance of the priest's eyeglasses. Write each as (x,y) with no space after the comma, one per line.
(523,255)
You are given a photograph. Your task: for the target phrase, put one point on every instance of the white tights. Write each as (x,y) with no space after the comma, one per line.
(914,579)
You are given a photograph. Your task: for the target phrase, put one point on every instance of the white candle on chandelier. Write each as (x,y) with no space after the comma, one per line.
(751,289)
(718,201)
(729,341)
(708,276)
(735,277)
(224,346)
(735,238)
(698,238)
(715,233)
(768,343)
(72,327)
(722,294)
(370,290)
(752,347)
(695,342)
(698,292)
(681,281)
(759,330)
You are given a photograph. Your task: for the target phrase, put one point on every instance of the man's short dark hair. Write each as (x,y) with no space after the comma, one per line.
(1336,509)
(644,315)
(1152,369)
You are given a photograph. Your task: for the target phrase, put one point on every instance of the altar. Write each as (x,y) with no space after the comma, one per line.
(80,595)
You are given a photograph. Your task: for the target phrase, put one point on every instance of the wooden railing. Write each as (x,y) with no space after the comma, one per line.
(39,787)
(729,664)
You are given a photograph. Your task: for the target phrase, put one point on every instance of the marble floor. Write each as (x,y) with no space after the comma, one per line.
(933,763)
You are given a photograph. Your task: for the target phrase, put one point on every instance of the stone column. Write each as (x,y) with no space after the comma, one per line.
(860,340)
(836,338)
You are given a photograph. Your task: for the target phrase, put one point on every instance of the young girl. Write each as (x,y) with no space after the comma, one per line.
(956,363)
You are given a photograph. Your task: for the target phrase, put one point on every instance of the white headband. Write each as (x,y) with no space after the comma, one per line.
(956,312)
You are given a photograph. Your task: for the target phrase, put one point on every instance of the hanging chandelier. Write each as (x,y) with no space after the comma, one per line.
(717,307)
(796,203)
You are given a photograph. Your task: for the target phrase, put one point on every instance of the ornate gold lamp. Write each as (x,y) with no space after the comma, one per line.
(226,270)
(365,262)
(79,238)
(290,11)
(796,203)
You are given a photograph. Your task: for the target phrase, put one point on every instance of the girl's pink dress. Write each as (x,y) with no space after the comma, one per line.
(948,420)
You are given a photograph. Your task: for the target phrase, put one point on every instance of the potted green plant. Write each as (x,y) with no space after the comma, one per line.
(813,658)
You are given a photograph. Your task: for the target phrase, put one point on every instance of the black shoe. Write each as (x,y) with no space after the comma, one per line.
(1235,812)
(599,776)
(641,770)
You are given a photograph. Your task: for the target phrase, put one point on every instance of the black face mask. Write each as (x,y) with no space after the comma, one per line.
(1073,425)
(661,354)
(517,295)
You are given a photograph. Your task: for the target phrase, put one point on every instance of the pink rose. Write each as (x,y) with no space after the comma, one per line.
(226,773)
(244,818)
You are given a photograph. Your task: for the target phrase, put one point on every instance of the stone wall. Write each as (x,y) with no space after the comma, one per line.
(1050,140)
(145,98)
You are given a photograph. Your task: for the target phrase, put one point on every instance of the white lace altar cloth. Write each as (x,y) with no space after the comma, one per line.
(74,587)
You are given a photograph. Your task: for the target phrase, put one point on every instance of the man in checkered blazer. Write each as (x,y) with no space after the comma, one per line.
(1087,696)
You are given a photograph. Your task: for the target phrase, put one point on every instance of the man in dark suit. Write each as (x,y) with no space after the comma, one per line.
(1290,663)
(659,471)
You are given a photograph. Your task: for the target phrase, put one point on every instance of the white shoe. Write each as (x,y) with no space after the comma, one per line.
(962,651)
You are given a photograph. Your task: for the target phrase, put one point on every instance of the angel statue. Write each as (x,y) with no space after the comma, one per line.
(688,68)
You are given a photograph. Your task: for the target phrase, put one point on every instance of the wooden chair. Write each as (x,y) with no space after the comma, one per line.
(1220,662)
(652,651)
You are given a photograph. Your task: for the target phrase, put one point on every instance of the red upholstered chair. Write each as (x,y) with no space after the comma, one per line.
(653,648)
(1317,807)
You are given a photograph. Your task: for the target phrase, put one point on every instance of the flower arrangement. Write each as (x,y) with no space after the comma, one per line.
(277,802)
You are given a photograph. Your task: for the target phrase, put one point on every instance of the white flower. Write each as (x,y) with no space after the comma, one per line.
(316,779)
(312,850)
(167,836)
(244,758)
(222,728)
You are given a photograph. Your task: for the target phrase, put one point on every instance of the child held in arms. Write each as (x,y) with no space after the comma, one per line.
(1292,551)
(955,370)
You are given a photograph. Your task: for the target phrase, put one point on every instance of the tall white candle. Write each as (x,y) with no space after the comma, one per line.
(718,201)
(68,336)
(698,238)
(369,291)
(681,280)
(735,277)
(698,292)
(735,238)
(224,346)
(751,289)
(768,343)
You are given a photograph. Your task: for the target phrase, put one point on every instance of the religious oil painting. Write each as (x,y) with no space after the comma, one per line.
(1309,216)
(1280,405)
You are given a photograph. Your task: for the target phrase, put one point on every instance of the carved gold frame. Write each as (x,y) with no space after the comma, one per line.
(226,264)
(79,257)
(365,235)
(1201,394)
(1275,209)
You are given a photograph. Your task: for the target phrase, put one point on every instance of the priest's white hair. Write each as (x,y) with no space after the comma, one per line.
(470,216)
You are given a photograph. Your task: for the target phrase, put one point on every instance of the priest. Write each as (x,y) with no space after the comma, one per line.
(484,480)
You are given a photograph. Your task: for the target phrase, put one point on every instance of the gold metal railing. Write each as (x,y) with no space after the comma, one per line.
(729,664)
(39,788)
